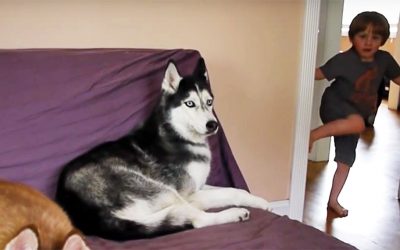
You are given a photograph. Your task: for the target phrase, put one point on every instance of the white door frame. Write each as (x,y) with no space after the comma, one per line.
(303,112)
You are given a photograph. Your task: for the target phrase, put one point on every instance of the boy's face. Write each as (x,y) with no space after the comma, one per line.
(367,43)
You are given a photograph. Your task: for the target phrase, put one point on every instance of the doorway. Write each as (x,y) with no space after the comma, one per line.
(335,19)
(373,182)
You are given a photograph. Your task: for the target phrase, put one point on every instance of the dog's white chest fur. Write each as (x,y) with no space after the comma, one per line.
(199,170)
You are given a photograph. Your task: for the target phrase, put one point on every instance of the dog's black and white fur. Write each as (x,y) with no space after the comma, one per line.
(152,181)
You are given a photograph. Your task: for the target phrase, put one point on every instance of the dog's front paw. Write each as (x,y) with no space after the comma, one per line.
(236,214)
(243,214)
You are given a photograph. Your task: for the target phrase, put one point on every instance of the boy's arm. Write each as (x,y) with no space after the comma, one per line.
(319,75)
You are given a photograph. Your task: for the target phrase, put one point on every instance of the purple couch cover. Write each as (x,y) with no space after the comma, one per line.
(55,104)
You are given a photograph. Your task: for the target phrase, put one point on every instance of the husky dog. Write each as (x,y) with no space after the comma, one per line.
(152,181)
(30,220)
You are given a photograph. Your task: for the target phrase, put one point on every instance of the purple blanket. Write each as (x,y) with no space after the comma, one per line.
(263,231)
(55,104)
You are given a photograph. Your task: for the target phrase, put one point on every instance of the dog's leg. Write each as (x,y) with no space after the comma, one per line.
(214,197)
(180,214)
(171,207)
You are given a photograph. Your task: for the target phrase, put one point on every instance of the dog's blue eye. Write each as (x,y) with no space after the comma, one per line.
(190,104)
(209,102)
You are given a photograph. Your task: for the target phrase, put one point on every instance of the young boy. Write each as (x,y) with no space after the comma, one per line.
(352,96)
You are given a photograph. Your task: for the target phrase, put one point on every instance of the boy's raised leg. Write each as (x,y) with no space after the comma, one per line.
(353,124)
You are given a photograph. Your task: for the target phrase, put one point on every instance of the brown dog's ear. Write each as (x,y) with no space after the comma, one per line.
(75,242)
(27,238)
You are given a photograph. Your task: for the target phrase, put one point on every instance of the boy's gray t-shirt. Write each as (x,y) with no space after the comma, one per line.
(356,83)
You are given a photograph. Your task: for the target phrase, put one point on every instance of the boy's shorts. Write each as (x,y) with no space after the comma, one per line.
(333,108)
(345,149)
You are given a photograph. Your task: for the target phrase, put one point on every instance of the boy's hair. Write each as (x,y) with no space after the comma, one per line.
(380,25)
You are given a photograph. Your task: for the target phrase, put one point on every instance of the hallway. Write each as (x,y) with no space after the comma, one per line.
(370,192)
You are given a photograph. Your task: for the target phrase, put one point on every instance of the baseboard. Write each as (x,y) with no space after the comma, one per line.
(280,207)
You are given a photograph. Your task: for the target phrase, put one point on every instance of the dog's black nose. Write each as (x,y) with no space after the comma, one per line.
(211,126)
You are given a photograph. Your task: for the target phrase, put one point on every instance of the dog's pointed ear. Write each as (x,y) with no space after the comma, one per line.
(201,70)
(26,239)
(171,79)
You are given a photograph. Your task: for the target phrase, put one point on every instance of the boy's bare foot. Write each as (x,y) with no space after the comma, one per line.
(338,209)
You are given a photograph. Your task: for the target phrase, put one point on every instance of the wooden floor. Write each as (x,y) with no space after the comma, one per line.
(370,192)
